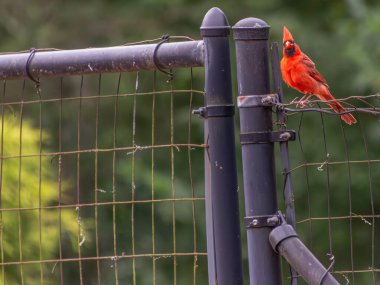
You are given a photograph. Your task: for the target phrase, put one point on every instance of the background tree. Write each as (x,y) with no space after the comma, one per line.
(29,183)
(340,36)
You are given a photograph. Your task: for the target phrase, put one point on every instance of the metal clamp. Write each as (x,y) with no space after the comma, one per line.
(215,111)
(263,221)
(267,137)
(250,101)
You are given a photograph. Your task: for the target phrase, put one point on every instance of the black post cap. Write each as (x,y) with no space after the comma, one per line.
(251,29)
(215,24)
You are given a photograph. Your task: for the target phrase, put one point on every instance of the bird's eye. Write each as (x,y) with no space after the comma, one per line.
(288,44)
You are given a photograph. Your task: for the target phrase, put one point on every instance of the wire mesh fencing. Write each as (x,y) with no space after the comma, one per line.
(100,176)
(334,173)
(118,197)
(98,183)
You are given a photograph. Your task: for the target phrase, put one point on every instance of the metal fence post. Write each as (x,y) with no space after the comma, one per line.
(251,41)
(222,208)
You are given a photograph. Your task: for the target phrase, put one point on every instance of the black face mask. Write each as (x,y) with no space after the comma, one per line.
(291,51)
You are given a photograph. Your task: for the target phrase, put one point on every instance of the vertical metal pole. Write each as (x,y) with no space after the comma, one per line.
(290,212)
(222,208)
(251,40)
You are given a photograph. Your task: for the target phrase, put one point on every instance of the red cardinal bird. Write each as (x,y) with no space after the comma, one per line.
(299,72)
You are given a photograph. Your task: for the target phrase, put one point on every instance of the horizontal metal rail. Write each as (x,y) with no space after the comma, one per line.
(126,58)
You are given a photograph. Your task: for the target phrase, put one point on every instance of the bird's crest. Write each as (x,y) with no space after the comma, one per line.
(287,35)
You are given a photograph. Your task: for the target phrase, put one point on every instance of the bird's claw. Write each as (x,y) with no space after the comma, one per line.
(294,101)
(303,103)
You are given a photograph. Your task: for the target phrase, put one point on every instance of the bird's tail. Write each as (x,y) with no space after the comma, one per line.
(337,107)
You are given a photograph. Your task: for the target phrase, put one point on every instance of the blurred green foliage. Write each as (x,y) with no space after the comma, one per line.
(30,183)
(340,36)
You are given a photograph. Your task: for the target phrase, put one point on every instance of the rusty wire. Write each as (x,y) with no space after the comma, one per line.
(91,156)
(329,214)
(176,38)
(370,109)
(110,257)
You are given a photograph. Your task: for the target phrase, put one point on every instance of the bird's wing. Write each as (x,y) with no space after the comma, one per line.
(312,70)
(302,81)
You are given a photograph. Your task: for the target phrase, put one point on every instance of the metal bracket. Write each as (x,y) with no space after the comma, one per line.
(270,221)
(215,111)
(267,137)
(249,101)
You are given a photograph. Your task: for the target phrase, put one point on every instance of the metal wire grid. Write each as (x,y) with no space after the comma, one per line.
(113,183)
(334,176)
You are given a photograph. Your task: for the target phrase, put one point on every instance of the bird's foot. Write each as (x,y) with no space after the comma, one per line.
(303,103)
(294,101)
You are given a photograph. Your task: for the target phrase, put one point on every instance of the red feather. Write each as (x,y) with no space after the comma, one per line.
(299,72)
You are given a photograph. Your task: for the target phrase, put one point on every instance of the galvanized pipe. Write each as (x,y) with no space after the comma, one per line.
(285,240)
(101,60)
